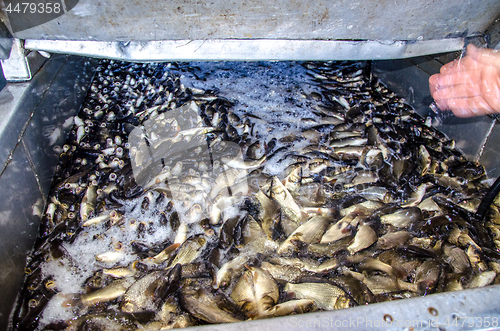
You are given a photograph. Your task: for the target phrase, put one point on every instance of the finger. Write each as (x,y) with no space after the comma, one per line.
(432,84)
(433,80)
(484,56)
(457,91)
(465,77)
(469,107)
(433,88)
(458,65)
(449,67)
(490,87)
(441,104)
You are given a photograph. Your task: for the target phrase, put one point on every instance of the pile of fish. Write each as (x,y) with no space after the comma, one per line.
(175,205)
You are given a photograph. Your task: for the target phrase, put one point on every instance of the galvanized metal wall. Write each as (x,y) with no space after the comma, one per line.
(118,20)
(31,125)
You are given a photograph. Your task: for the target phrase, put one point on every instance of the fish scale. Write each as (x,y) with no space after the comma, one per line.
(234,166)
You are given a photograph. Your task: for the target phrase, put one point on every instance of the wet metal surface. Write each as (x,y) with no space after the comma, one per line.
(491,153)
(247,50)
(11,120)
(18,226)
(17,103)
(277,19)
(45,131)
(468,133)
(31,118)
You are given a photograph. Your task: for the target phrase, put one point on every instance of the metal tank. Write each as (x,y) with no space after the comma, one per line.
(38,95)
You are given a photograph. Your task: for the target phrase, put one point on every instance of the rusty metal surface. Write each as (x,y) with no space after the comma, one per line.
(118,20)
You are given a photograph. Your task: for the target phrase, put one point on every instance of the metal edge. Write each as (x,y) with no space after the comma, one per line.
(245,50)
(473,309)
(3,81)
(21,64)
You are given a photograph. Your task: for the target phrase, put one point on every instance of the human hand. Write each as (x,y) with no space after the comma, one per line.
(469,86)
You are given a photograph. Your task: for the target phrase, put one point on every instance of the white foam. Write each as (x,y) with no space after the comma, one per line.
(274,91)
(71,271)
(57,309)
